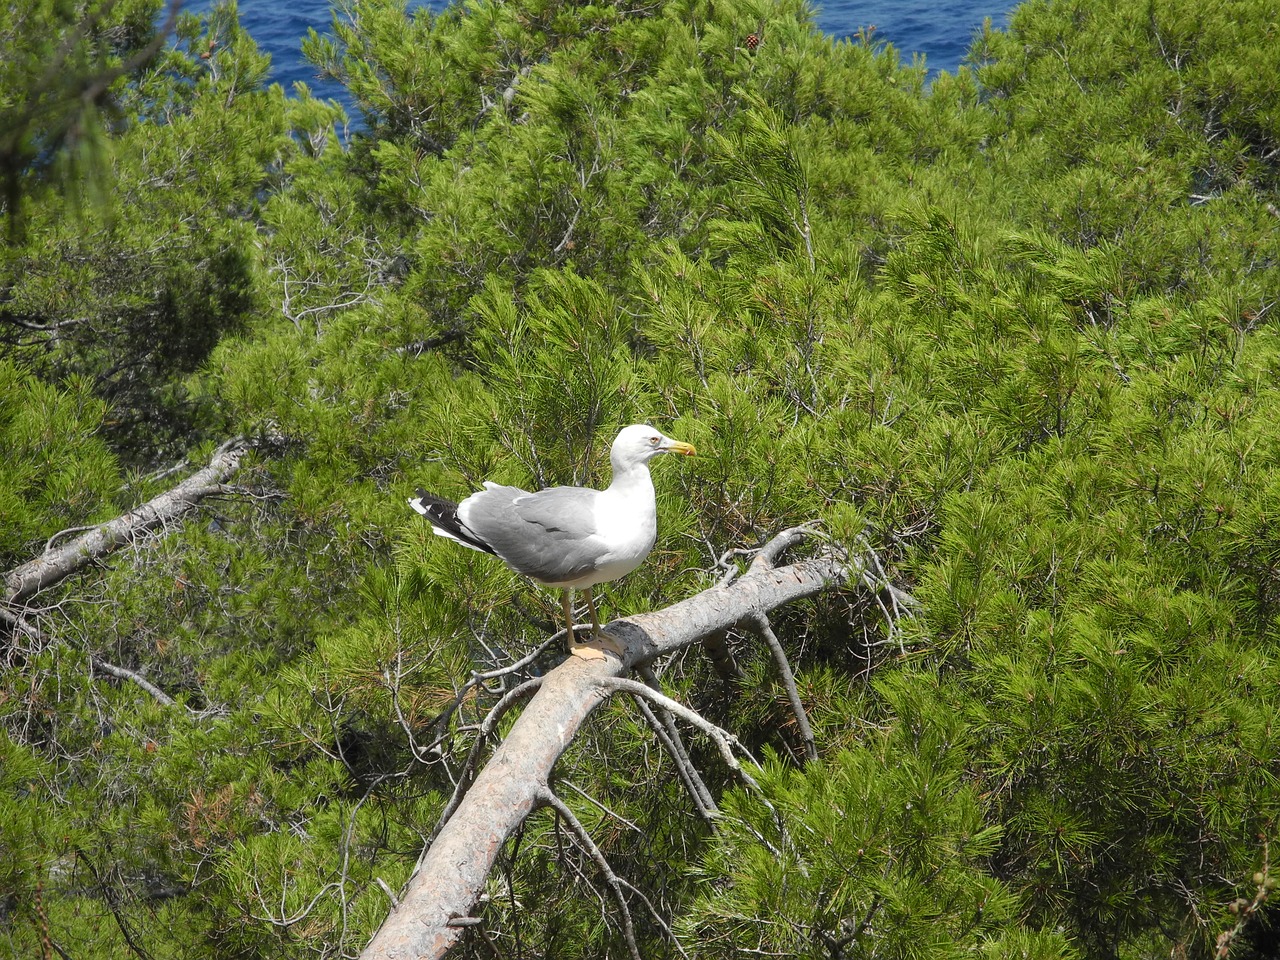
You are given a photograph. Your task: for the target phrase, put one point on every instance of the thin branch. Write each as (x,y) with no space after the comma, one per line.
(669,734)
(110,898)
(19,624)
(48,544)
(657,917)
(682,770)
(724,562)
(418,347)
(120,673)
(615,884)
(382,885)
(1245,909)
(768,555)
(600,806)
(760,623)
(154,477)
(723,739)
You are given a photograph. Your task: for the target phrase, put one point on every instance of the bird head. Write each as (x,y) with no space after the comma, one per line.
(640,443)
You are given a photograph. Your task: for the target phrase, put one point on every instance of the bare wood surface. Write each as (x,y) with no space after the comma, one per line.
(436,905)
(57,563)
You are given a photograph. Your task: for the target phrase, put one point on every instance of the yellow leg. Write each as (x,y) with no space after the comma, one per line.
(566,603)
(591,609)
(593,649)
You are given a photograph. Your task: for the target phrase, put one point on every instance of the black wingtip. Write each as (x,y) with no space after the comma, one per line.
(438,510)
(442,514)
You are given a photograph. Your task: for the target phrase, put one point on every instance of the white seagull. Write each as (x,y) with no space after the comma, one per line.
(566,537)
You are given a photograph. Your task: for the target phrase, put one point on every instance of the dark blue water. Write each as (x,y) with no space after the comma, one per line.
(938,30)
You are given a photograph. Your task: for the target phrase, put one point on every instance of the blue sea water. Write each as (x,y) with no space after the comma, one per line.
(938,30)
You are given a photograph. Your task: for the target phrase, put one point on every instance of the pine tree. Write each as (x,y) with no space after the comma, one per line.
(1011,336)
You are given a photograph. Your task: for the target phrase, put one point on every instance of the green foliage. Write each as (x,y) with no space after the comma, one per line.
(57,472)
(63,69)
(1015,331)
(134,293)
(881,850)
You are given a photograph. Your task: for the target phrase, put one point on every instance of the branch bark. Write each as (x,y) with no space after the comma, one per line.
(451,873)
(57,563)
(668,734)
(762,626)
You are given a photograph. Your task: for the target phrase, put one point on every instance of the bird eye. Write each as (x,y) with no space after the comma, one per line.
(653,441)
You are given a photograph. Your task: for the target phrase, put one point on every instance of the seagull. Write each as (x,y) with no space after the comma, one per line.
(567,537)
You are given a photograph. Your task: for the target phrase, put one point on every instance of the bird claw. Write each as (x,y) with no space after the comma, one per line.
(597,648)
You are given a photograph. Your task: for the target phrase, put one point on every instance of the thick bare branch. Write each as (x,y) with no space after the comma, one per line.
(58,563)
(451,873)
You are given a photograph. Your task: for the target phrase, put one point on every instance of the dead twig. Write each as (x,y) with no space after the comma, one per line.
(55,565)
(583,837)
(760,623)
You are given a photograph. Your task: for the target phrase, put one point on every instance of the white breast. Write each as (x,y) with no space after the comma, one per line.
(628,524)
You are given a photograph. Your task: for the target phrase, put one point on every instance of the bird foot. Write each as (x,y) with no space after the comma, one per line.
(597,648)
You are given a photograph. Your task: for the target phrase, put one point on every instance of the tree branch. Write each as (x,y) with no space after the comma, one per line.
(120,673)
(716,647)
(20,625)
(760,623)
(668,735)
(473,757)
(451,872)
(55,565)
(724,741)
(606,870)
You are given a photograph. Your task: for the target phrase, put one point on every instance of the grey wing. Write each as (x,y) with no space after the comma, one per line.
(548,535)
(563,512)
